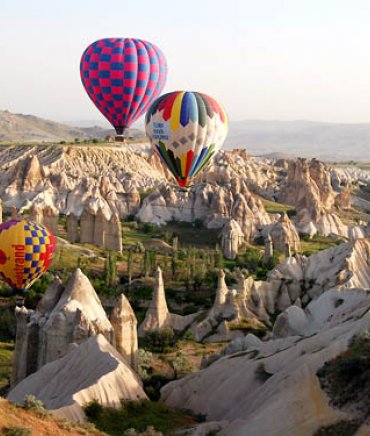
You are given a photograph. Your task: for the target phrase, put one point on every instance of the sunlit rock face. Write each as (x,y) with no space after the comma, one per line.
(93,370)
(231,239)
(70,178)
(271,385)
(65,316)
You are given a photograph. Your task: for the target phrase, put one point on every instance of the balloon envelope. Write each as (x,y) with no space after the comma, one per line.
(186,129)
(26,250)
(122,76)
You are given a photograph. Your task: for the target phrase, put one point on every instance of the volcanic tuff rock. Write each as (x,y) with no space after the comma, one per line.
(284,233)
(345,176)
(157,316)
(213,204)
(301,279)
(64,317)
(280,392)
(294,281)
(71,178)
(231,238)
(94,370)
(308,188)
(68,178)
(229,308)
(124,322)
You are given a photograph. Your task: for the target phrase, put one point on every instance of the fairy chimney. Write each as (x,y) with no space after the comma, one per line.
(113,234)
(72,228)
(124,322)
(87,226)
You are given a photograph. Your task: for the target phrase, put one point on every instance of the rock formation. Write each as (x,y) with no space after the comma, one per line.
(213,204)
(229,308)
(124,322)
(294,281)
(308,188)
(231,239)
(65,316)
(300,279)
(99,228)
(72,228)
(113,234)
(157,316)
(13,213)
(94,370)
(50,219)
(269,249)
(280,392)
(36,214)
(87,225)
(284,233)
(72,178)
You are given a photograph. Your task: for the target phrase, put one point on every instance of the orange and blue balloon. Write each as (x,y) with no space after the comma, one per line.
(186,129)
(122,76)
(26,251)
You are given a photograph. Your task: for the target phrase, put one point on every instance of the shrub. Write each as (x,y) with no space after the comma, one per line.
(16,430)
(93,410)
(346,378)
(154,384)
(339,428)
(182,366)
(160,341)
(139,415)
(144,361)
(30,402)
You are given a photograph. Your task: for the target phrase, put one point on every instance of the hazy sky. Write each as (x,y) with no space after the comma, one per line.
(263,59)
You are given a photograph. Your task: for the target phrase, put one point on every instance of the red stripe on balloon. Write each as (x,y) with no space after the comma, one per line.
(189,160)
(215,106)
(167,103)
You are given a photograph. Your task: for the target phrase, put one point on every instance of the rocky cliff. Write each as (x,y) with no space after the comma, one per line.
(273,386)
(65,317)
(69,178)
(94,370)
(109,180)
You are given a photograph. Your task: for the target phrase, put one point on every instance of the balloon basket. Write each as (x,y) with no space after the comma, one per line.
(119,138)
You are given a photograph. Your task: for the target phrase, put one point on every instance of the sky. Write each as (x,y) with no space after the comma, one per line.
(262,59)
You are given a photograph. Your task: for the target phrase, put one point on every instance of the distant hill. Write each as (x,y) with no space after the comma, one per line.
(326,141)
(29,128)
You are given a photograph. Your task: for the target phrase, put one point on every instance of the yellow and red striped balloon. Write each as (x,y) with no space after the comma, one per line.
(186,129)
(26,251)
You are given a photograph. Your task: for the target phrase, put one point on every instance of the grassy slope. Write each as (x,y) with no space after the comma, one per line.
(11,415)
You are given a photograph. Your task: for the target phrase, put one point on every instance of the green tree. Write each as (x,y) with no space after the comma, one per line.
(129,265)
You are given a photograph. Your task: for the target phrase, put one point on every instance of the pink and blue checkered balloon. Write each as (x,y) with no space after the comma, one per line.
(122,76)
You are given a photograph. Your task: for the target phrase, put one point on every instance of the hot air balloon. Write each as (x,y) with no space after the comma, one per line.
(186,129)
(26,250)
(122,76)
